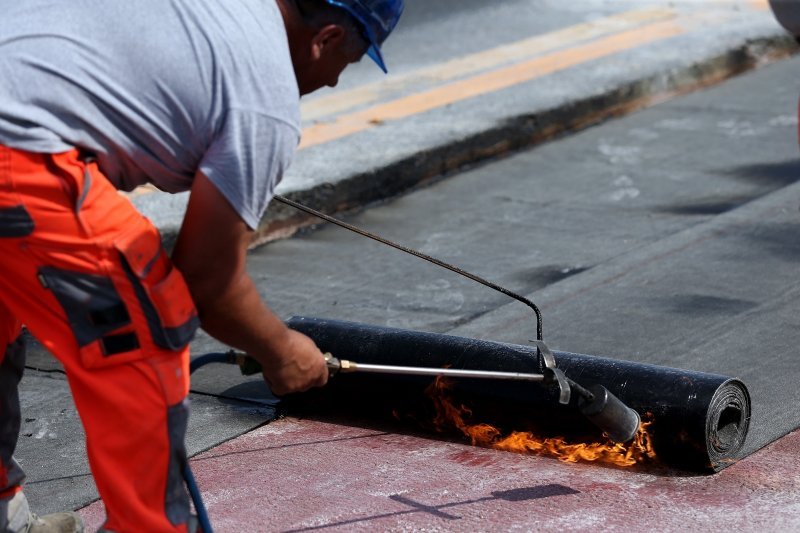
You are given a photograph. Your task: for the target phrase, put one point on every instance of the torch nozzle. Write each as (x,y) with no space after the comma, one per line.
(607,412)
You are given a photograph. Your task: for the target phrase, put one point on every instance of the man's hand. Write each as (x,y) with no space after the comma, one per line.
(211,254)
(299,367)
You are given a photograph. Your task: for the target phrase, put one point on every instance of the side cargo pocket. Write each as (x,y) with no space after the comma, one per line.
(160,288)
(96,314)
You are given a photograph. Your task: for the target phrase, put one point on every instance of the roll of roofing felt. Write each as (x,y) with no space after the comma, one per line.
(698,421)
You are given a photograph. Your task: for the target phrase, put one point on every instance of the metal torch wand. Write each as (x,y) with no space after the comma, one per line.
(597,403)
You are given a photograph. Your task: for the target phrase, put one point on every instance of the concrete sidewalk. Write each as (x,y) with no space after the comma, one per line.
(378,137)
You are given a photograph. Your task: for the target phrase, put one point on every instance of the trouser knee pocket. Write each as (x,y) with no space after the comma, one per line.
(97,316)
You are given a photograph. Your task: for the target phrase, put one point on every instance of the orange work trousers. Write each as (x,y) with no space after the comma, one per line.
(86,274)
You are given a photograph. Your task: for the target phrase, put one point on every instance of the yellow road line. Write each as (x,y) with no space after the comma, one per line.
(495,80)
(484,60)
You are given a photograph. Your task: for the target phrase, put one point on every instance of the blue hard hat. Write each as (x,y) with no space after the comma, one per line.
(377,19)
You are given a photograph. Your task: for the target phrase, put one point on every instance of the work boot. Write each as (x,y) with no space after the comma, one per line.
(19,518)
(67,522)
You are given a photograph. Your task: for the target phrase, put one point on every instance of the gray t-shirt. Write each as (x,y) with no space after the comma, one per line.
(156,89)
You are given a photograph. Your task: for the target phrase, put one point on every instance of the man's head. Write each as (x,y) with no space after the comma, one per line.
(327,35)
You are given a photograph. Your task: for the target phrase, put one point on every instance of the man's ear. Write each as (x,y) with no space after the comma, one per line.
(328,38)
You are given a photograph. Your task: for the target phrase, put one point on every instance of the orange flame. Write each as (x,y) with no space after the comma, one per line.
(640,449)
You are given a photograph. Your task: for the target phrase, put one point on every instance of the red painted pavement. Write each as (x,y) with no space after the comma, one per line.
(309,475)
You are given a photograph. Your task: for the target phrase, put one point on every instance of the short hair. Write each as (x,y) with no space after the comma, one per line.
(319,13)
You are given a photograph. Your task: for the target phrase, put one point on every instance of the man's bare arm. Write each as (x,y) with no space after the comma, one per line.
(211,253)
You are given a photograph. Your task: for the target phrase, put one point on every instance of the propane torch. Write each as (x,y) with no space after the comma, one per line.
(618,421)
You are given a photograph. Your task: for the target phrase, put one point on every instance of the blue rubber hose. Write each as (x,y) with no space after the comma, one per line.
(199,506)
(191,484)
(214,357)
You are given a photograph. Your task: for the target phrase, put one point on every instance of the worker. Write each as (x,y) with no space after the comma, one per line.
(99,96)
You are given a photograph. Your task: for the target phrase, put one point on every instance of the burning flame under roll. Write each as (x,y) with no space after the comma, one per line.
(640,449)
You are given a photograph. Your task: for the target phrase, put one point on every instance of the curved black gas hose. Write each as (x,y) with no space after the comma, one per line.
(421,255)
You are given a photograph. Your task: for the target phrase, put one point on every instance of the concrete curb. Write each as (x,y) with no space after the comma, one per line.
(519,132)
(523,128)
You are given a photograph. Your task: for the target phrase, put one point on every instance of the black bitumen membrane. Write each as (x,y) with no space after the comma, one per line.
(695,421)
(666,237)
